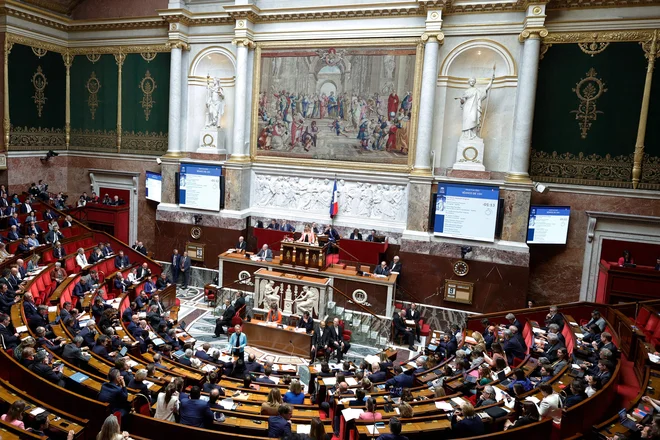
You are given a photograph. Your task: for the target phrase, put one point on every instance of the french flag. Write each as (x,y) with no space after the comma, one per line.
(334,203)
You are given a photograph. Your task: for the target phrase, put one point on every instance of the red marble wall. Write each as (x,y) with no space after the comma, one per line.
(556,270)
(78,181)
(95,9)
(22,171)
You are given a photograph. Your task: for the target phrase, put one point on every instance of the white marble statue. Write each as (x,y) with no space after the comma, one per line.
(308,301)
(270,295)
(472,108)
(215,102)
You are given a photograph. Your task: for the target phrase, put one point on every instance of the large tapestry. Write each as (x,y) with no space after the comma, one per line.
(343,103)
(587,114)
(36,98)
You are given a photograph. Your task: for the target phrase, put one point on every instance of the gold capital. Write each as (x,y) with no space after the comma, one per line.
(433,37)
(178,45)
(244,42)
(533,33)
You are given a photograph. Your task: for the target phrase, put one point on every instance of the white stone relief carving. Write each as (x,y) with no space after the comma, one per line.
(312,195)
(307,301)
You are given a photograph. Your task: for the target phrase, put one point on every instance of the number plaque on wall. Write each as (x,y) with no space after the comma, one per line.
(458,291)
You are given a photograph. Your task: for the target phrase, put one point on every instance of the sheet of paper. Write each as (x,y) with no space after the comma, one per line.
(579,335)
(444,405)
(538,330)
(372,430)
(458,400)
(533,399)
(573,323)
(351,413)
(227,404)
(351,381)
(21,329)
(36,411)
(303,429)
(52,309)
(149,384)
(329,381)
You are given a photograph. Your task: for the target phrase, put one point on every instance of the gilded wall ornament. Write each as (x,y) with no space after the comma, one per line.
(93,86)
(39,51)
(39,82)
(593,48)
(588,90)
(147,85)
(148,56)
(93,57)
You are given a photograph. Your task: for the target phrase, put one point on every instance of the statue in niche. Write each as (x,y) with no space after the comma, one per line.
(215,102)
(270,295)
(472,108)
(308,301)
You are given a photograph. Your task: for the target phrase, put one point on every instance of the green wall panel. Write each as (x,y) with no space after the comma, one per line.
(104,118)
(134,74)
(29,128)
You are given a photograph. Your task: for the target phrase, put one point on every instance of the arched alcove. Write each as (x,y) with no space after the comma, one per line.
(476,58)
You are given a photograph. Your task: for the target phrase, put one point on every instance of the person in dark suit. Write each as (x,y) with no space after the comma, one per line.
(382,269)
(512,347)
(41,368)
(530,414)
(58,251)
(202,354)
(266,377)
(252,366)
(13,233)
(377,375)
(96,256)
(163,281)
(101,348)
(25,207)
(184,268)
(395,265)
(225,320)
(336,341)
(551,348)
(143,271)
(413,314)
(355,235)
(514,321)
(554,317)
(29,307)
(88,334)
(114,393)
(465,422)
(175,259)
(372,236)
(400,379)
(577,394)
(400,328)
(280,425)
(239,303)
(395,431)
(138,246)
(332,233)
(68,222)
(265,254)
(54,235)
(241,246)
(306,322)
(121,261)
(288,227)
(319,340)
(273,225)
(605,369)
(9,339)
(194,411)
(24,247)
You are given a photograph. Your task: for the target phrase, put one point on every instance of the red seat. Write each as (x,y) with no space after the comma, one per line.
(347,333)
(642,316)
(651,323)
(424,329)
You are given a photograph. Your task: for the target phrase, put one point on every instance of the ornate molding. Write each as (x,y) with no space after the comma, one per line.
(93,140)
(12,39)
(144,143)
(427,36)
(36,138)
(244,42)
(178,45)
(594,37)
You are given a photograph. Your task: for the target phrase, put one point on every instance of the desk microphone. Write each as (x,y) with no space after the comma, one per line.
(293,347)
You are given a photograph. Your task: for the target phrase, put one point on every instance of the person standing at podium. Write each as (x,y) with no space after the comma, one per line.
(242,245)
(265,254)
(308,236)
(237,342)
(274,315)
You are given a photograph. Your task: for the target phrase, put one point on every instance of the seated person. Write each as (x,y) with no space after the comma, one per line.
(530,414)
(355,235)
(280,425)
(370,413)
(520,378)
(626,258)
(294,396)
(121,261)
(400,379)
(306,322)
(274,315)
(577,394)
(465,422)
(487,397)
(265,254)
(382,269)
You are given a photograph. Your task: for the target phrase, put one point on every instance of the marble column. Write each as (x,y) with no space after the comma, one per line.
(524,114)
(238,151)
(419,201)
(174,126)
(426,104)
(249,97)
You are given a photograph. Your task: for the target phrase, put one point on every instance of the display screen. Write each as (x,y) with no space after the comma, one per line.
(199,186)
(466,211)
(153,184)
(548,224)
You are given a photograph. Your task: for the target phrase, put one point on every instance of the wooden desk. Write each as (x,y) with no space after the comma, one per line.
(302,254)
(281,340)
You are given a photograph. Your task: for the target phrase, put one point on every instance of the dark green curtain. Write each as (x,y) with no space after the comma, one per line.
(134,73)
(603,153)
(29,128)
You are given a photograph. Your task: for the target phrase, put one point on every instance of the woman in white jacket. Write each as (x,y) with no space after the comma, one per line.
(551,404)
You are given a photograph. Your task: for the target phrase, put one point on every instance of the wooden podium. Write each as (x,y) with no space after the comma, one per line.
(302,254)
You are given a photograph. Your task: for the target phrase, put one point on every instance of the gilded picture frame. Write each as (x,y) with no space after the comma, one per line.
(336,48)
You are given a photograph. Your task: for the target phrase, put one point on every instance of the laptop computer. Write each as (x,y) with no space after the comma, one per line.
(505,382)
(501,375)
(626,422)
(470,379)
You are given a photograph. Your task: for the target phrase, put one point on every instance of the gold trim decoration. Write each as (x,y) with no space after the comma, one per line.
(68,62)
(93,140)
(95,51)
(581,169)
(544,49)
(39,51)
(147,85)
(461,268)
(388,42)
(651,52)
(93,86)
(588,90)
(6,122)
(606,36)
(93,57)
(196,232)
(33,138)
(148,56)
(593,48)
(119,59)
(39,82)
(470,159)
(532,32)
(144,143)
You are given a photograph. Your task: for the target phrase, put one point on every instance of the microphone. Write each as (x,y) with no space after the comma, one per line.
(293,347)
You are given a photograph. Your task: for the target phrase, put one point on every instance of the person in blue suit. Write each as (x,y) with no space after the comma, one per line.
(193,410)
(280,425)
(395,431)
(465,422)
(400,379)
(114,393)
